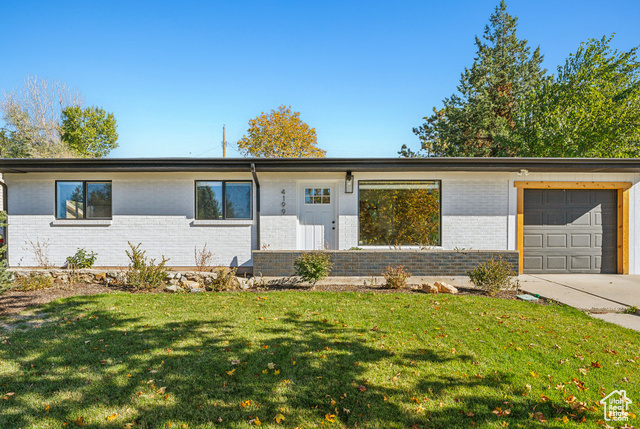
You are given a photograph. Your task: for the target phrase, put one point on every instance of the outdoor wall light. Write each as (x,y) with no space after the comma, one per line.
(348,183)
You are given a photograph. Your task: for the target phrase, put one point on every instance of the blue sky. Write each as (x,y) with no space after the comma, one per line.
(363,73)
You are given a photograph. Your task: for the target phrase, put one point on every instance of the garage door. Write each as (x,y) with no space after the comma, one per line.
(569,231)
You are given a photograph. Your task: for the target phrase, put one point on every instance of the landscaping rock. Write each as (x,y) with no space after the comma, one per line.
(172,288)
(429,288)
(445,287)
(112,274)
(197,290)
(190,284)
(174,282)
(243,283)
(101,276)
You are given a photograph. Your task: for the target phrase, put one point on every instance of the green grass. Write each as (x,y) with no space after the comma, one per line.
(391,360)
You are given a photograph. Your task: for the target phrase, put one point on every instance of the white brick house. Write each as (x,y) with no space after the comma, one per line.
(562,215)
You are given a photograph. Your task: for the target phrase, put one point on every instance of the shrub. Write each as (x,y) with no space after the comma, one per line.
(493,276)
(313,266)
(396,277)
(225,279)
(34,281)
(6,277)
(203,258)
(81,259)
(144,273)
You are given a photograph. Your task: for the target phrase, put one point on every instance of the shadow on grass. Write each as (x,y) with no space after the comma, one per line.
(104,361)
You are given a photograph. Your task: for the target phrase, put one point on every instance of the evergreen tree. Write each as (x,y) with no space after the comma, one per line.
(481,118)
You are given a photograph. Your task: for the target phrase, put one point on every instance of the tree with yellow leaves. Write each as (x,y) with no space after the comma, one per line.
(280,134)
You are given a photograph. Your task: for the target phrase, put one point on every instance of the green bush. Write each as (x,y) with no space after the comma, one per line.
(313,266)
(493,276)
(396,277)
(82,259)
(34,281)
(144,273)
(225,279)
(6,277)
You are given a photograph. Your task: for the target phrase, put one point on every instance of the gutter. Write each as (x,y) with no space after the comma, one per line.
(257,182)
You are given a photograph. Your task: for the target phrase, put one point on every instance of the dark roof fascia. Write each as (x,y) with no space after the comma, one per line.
(592,165)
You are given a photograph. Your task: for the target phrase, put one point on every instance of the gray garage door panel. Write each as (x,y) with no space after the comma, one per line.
(570,231)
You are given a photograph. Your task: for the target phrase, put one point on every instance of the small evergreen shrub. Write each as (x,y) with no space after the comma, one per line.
(313,266)
(396,277)
(144,273)
(82,259)
(493,276)
(225,280)
(34,281)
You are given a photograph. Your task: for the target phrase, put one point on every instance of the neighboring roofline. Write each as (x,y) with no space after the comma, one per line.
(591,165)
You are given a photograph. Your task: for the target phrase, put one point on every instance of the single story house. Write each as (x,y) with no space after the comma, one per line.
(433,215)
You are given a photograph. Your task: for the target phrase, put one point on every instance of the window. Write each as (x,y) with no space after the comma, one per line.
(223,200)
(394,213)
(83,200)
(317,195)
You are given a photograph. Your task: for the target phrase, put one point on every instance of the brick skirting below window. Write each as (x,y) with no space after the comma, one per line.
(276,263)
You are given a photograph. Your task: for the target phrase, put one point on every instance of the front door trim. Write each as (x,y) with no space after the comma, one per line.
(622,221)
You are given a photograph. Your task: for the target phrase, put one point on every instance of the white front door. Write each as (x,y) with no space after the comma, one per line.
(317,216)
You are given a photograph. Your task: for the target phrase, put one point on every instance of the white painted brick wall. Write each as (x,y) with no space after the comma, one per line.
(474,213)
(154,209)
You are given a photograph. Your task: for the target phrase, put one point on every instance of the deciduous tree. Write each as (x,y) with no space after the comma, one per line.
(280,134)
(90,132)
(590,108)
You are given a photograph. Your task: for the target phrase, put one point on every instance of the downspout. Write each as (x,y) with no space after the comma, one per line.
(257,182)
(5,209)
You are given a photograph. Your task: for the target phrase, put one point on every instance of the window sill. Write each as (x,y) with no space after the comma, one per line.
(222,222)
(81,222)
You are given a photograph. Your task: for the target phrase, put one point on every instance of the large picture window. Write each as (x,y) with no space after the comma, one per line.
(223,200)
(397,213)
(83,200)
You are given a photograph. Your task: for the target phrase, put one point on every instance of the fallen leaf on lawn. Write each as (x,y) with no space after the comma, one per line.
(231,372)
(595,364)
(582,371)
(235,362)
(333,403)
(534,375)
(255,421)
(469,414)
(544,398)
(538,416)
(128,426)
(112,416)
(246,403)
(279,418)
(500,412)
(271,365)
(47,408)
(330,417)
(161,390)
(362,388)
(276,372)
(79,421)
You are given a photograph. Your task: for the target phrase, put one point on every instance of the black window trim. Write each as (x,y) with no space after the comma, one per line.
(439,181)
(224,198)
(84,199)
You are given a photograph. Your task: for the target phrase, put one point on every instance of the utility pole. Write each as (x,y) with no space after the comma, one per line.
(224,143)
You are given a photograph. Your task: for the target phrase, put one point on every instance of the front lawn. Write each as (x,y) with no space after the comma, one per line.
(312,359)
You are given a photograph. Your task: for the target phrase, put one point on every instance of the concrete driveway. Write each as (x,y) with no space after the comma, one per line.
(603,295)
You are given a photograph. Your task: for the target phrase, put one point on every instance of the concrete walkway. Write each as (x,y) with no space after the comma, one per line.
(594,293)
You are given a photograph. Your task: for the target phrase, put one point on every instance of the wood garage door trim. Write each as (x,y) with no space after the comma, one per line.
(622,221)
